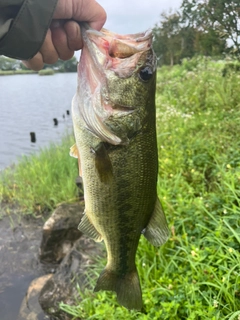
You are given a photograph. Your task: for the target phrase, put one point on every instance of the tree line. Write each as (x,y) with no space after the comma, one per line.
(8,64)
(205,27)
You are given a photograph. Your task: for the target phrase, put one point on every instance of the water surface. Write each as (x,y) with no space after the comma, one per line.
(28,103)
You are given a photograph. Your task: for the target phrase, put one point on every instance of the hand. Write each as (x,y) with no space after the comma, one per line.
(64,37)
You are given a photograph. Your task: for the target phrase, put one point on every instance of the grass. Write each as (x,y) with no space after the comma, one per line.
(46,72)
(41,181)
(11,72)
(196,274)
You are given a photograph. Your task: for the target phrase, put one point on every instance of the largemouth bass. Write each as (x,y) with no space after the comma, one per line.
(114,124)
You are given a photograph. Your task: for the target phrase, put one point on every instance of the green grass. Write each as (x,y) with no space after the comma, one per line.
(46,72)
(11,72)
(196,274)
(41,181)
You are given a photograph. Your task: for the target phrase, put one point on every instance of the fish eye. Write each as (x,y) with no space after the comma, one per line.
(145,73)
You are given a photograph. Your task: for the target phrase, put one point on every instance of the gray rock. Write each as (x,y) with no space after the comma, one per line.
(30,308)
(60,232)
(62,286)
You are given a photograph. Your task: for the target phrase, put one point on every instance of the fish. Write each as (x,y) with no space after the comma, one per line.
(114,121)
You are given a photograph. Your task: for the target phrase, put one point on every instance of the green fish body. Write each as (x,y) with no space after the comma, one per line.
(115,131)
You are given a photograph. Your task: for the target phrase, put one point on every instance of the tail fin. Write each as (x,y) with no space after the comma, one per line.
(127,287)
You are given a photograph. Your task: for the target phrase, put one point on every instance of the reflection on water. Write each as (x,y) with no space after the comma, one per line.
(29,103)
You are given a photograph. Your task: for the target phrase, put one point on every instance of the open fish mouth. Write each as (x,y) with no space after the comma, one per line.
(107,60)
(119,46)
(118,53)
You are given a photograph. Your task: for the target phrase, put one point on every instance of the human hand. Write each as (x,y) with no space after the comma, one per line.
(64,35)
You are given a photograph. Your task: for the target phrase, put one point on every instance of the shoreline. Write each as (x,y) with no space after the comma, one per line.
(23,72)
(17,72)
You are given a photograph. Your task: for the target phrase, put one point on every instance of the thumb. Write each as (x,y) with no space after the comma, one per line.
(81,10)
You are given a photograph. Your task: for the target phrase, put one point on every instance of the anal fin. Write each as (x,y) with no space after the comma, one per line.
(86,227)
(157,232)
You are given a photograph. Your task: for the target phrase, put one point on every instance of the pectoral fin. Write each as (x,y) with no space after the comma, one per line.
(103,163)
(75,154)
(86,227)
(73,151)
(157,231)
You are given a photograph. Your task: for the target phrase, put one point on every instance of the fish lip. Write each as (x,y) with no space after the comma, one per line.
(123,108)
(110,106)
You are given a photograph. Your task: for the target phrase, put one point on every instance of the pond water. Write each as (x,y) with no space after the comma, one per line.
(29,103)
(19,265)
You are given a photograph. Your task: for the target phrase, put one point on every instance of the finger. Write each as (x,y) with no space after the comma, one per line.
(36,63)
(48,50)
(81,10)
(73,33)
(90,11)
(60,42)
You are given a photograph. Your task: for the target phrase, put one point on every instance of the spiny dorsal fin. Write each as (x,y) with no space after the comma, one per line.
(157,231)
(86,227)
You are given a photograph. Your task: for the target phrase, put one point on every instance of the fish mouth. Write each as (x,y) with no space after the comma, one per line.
(118,53)
(107,55)
(116,45)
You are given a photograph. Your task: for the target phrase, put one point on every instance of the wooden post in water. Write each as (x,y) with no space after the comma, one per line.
(33,137)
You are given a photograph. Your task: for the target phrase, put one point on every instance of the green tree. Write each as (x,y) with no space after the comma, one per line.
(70,65)
(7,64)
(221,18)
(63,66)
(184,34)
(225,15)
(167,43)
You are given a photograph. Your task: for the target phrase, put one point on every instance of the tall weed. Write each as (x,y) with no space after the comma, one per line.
(196,274)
